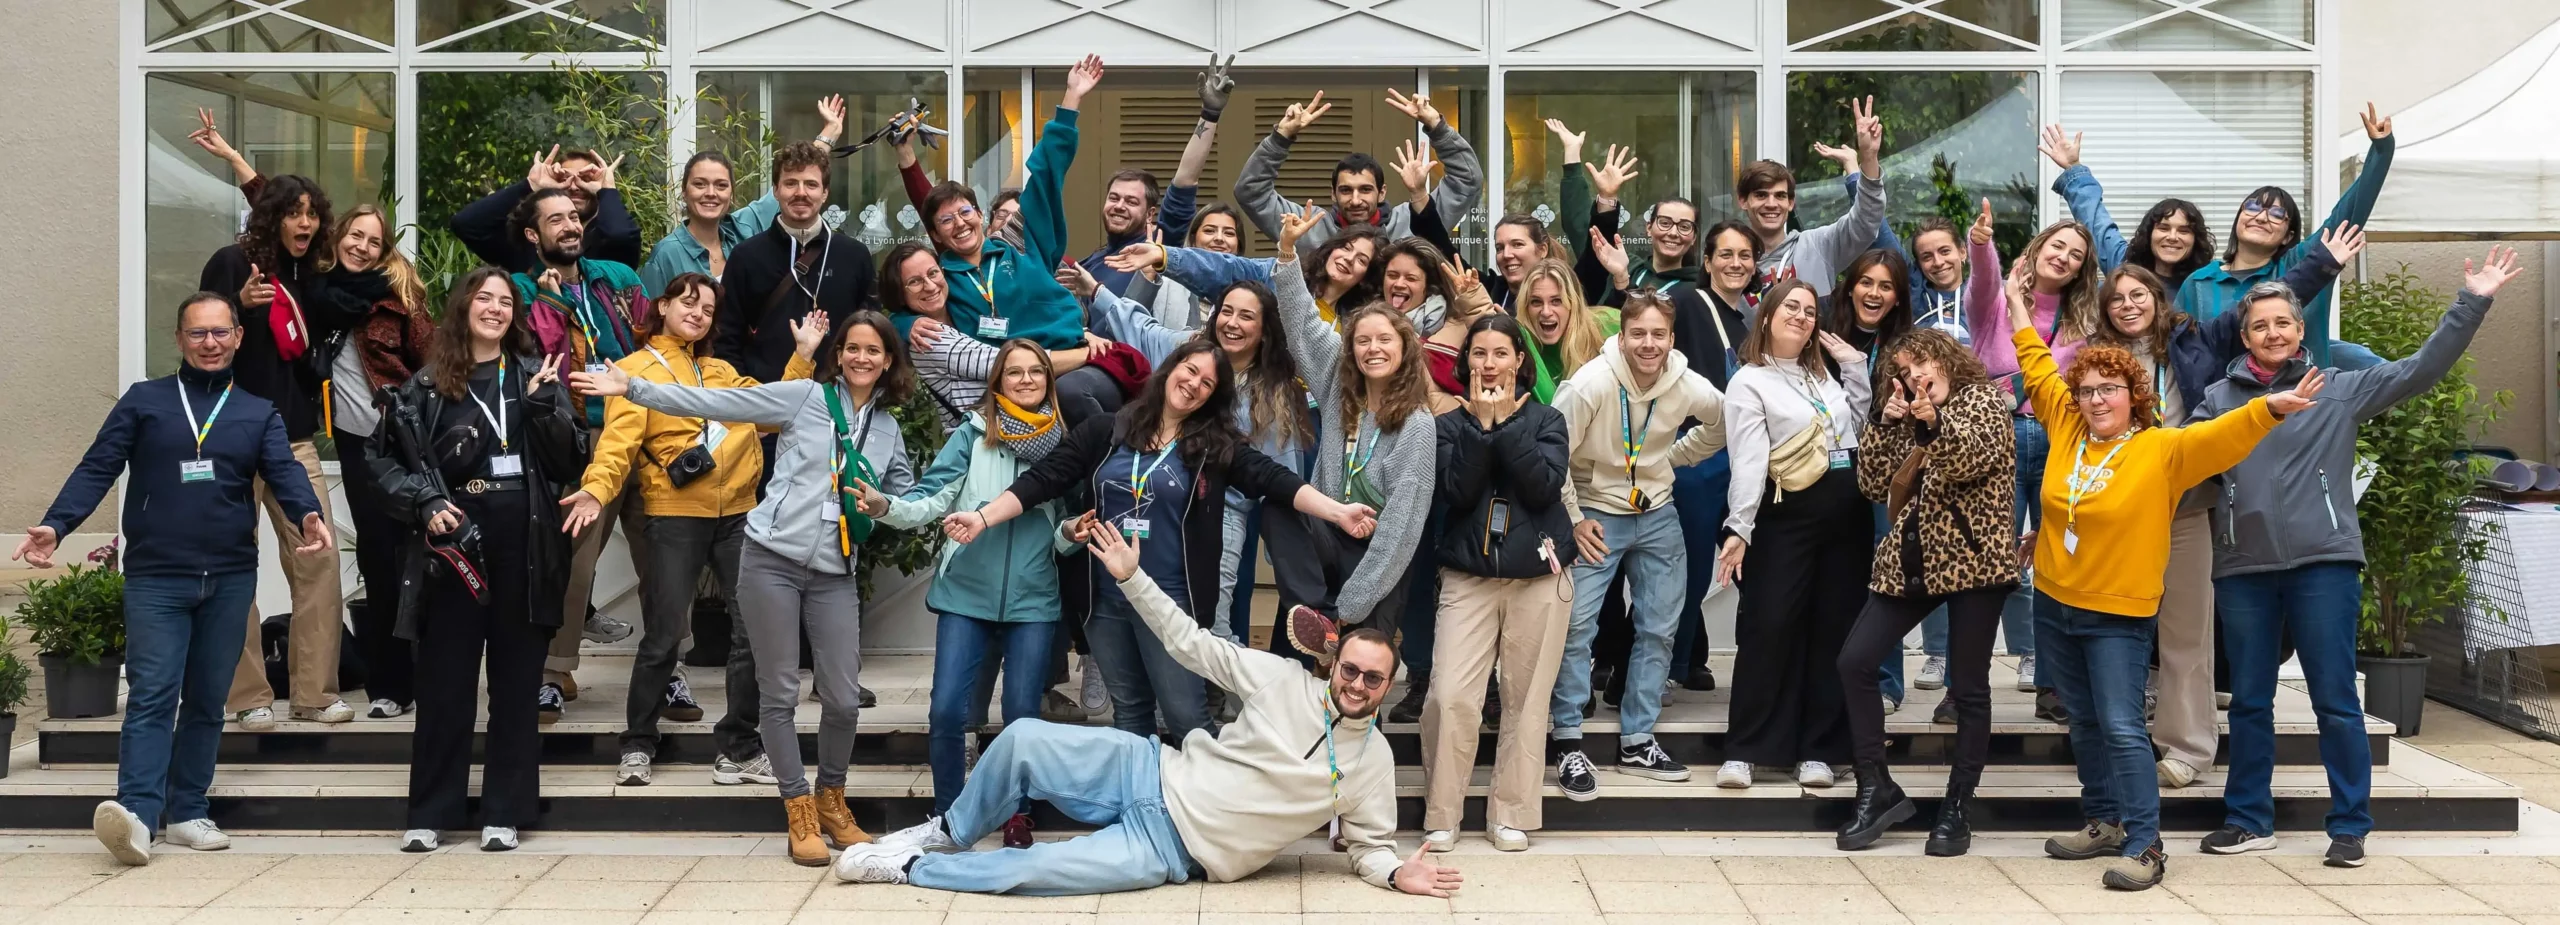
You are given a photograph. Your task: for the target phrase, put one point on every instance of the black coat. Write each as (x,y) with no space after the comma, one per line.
(482,226)
(759,300)
(557,442)
(292,386)
(1078,459)
(1522,463)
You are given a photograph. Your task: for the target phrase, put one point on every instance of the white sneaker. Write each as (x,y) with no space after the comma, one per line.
(255,719)
(1933,674)
(2222,700)
(873,864)
(336,712)
(1506,838)
(756,770)
(1440,840)
(417,841)
(122,832)
(497,838)
(2176,774)
(1735,775)
(634,770)
(1892,706)
(929,835)
(2027,672)
(1095,696)
(199,834)
(386,709)
(1814,774)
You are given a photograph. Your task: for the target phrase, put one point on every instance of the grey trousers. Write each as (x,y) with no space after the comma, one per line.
(777,598)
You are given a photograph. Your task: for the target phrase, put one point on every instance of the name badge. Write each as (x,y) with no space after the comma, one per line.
(195,470)
(712,433)
(2070,541)
(994,328)
(595,369)
(1839,459)
(507,466)
(1135,527)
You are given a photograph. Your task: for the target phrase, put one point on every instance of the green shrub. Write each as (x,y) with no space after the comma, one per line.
(79,615)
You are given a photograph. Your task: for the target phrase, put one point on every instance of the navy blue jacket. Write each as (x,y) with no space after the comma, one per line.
(2199,350)
(183,529)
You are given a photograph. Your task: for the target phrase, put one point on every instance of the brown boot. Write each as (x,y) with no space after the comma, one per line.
(807,850)
(836,819)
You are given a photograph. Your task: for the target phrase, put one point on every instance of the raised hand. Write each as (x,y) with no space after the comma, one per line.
(1214,85)
(1591,540)
(1870,137)
(1413,165)
(2302,396)
(2495,271)
(1418,106)
(1729,561)
(1845,156)
(1493,403)
(2376,125)
(258,292)
(1922,409)
(1420,876)
(1301,115)
(2063,150)
(600,178)
(545,172)
(37,549)
(210,139)
(809,331)
(1613,173)
(1081,79)
(1612,255)
(1118,556)
(547,373)
(1839,350)
(1139,255)
(609,380)
(831,111)
(577,511)
(2022,303)
(1572,140)
(1983,224)
(2344,240)
(1293,227)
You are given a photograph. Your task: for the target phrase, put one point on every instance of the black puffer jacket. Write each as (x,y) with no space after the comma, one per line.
(1521,464)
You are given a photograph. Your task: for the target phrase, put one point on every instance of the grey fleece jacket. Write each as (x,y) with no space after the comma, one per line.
(1818,256)
(1258,191)
(797,518)
(2291,502)
(1402,464)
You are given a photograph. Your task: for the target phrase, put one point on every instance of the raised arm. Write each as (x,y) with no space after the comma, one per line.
(2378,388)
(1237,669)
(2087,199)
(1843,240)
(1257,189)
(1986,308)
(1462,176)
(2355,204)
(1313,342)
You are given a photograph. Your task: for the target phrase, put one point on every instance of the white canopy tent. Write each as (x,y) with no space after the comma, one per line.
(2480,159)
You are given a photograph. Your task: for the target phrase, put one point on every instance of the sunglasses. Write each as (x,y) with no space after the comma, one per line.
(1367,680)
(2272,210)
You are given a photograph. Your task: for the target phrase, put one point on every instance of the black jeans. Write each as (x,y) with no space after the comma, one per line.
(1087,392)
(678,548)
(1973,618)
(390,664)
(1318,560)
(453,632)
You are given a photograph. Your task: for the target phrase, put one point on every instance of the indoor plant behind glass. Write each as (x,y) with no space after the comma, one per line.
(77,624)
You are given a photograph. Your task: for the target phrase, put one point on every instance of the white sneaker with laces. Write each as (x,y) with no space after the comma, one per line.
(1814,774)
(634,770)
(756,770)
(1735,775)
(1440,840)
(929,835)
(873,864)
(199,834)
(386,709)
(417,841)
(1506,838)
(256,719)
(2027,672)
(1933,674)
(2176,774)
(336,712)
(122,832)
(497,838)
(1095,697)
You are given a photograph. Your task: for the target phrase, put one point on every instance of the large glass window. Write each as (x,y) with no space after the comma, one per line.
(229,26)
(1951,139)
(865,198)
(333,128)
(1690,133)
(1463,98)
(2207,137)
(1906,25)
(539,25)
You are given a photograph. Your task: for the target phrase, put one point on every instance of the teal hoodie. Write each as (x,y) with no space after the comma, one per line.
(1009,575)
(1022,274)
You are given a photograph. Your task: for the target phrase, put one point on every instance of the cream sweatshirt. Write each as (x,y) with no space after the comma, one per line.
(1264,781)
(1596,431)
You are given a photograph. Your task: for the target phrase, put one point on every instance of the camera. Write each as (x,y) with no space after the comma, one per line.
(694,463)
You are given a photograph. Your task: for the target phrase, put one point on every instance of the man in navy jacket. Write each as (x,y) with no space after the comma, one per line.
(192,448)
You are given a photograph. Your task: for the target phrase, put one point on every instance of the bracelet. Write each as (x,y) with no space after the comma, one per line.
(1209,115)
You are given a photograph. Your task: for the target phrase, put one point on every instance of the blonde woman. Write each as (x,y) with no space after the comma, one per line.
(1564,332)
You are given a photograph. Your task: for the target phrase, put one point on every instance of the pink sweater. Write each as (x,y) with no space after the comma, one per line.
(1987,315)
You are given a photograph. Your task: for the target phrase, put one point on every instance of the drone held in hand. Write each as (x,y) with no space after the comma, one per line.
(900,128)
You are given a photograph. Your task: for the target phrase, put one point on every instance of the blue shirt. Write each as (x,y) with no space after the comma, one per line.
(1168,484)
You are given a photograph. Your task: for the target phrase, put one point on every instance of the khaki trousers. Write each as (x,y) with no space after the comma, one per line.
(1519,623)
(319,608)
(2185,728)
(625,508)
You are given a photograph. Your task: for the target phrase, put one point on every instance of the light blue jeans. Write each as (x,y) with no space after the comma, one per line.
(1100,777)
(1657,566)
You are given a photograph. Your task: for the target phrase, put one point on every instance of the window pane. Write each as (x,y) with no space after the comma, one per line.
(168,19)
(1951,139)
(1878,26)
(1642,111)
(1461,96)
(579,25)
(864,197)
(2207,137)
(2190,31)
(997,138)
(477,132)
(333,128)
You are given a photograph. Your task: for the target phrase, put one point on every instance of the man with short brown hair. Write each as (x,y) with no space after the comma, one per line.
(1766,192)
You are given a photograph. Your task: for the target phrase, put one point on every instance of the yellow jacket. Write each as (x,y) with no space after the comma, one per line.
(630,430)
(2122,520)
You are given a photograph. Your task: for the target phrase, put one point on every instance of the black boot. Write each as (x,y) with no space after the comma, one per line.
(1953,835)
(1881,803)
(1409,710)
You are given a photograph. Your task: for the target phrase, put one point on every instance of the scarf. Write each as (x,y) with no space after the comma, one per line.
(1030,435)
(2266,377)
(1429,316)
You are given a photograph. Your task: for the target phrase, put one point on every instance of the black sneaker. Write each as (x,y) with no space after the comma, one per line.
(1649,760)
(680,705)
(2232,839)
(864,698)
(1701,678)
(546,703)
(2049,707)
(1945,714)
(1573,775)
(1409,709)
(2345,851)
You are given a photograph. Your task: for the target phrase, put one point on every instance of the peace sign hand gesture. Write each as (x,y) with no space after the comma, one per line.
(2376,125)
(1300,115)
(1215,84)
(1293,227)
(548,373)
(1418,106)
(1870,138)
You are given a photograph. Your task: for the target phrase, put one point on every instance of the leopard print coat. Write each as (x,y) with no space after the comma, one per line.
(1962,508)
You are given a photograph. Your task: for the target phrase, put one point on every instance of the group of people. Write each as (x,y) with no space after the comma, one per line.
(1543,468)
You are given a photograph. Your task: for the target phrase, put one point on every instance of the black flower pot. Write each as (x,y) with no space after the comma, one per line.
(2395,689)
(77,691)
(8,728)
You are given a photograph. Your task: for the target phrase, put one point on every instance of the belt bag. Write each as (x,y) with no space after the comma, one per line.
(1798,462)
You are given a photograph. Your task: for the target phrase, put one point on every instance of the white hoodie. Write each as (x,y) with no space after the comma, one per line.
(1596,429)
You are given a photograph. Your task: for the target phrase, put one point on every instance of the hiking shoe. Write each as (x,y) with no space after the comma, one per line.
(336,712)
(387,709)
(756,770)
(1312,632)
(1574,776)
(1649,760)
(1933,674)
(2232,839)
(2345,851)
(2176,774)
(634,771)
(680,705)
(2097,839)
(546,704)
(256,719)
(199,834)
(1735,775)
(2139,872)
(2027,672)
(604,631)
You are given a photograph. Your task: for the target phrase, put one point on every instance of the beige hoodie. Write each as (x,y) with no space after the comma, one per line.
(1596,430)
(1263,782)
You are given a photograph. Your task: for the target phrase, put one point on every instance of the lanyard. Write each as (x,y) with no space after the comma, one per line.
(498,419)
(1355,462)
(603,315)
(205,429)
(2079,486)
(1821,409)
(1631,439)
(671,368)
(1138,480)
(1333,765)
(824,251)
(985,283)
(848,452)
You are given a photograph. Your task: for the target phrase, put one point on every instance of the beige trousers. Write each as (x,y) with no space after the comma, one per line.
(625,508)
(2185,728)
(319,608)
(1519,623)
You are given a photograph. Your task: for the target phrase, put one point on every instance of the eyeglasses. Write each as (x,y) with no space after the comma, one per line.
(1368,680)
(2273,210)
(2100,392)
(920,282)
(1682,226)
(200,335)
(954,217)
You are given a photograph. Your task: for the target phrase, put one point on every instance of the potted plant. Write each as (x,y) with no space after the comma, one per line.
(77,623)
(13,694)
(2417,545)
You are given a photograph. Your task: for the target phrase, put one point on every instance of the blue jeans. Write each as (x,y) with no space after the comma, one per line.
(1236,582)
(1656,562)
(182,642)
(2097,663)
(1698,493)
(2019,612)
(1099,777)
(1141,676)
(962,647)
(2319,604)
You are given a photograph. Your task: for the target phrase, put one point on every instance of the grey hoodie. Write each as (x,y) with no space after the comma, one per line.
(1258,191)
(797,517)
(2291,502)
(1818,256)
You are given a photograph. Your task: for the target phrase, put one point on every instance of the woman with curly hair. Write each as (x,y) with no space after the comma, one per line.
(1936,455)
(2099,562)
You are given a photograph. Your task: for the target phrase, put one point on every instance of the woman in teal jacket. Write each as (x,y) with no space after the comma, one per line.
(2267,241)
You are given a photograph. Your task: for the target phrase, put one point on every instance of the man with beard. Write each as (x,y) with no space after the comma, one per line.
(793,268)
(587,311)
(711,228)
(1301,753)
(1359,183)
(487,226)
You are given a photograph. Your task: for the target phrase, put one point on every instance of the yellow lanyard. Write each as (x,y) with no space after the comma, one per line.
(985,283)
(2078,486)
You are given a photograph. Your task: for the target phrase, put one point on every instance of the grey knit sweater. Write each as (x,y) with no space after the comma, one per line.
(1400,466)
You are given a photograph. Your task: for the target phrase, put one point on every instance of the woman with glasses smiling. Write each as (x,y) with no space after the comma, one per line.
(2267,240)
